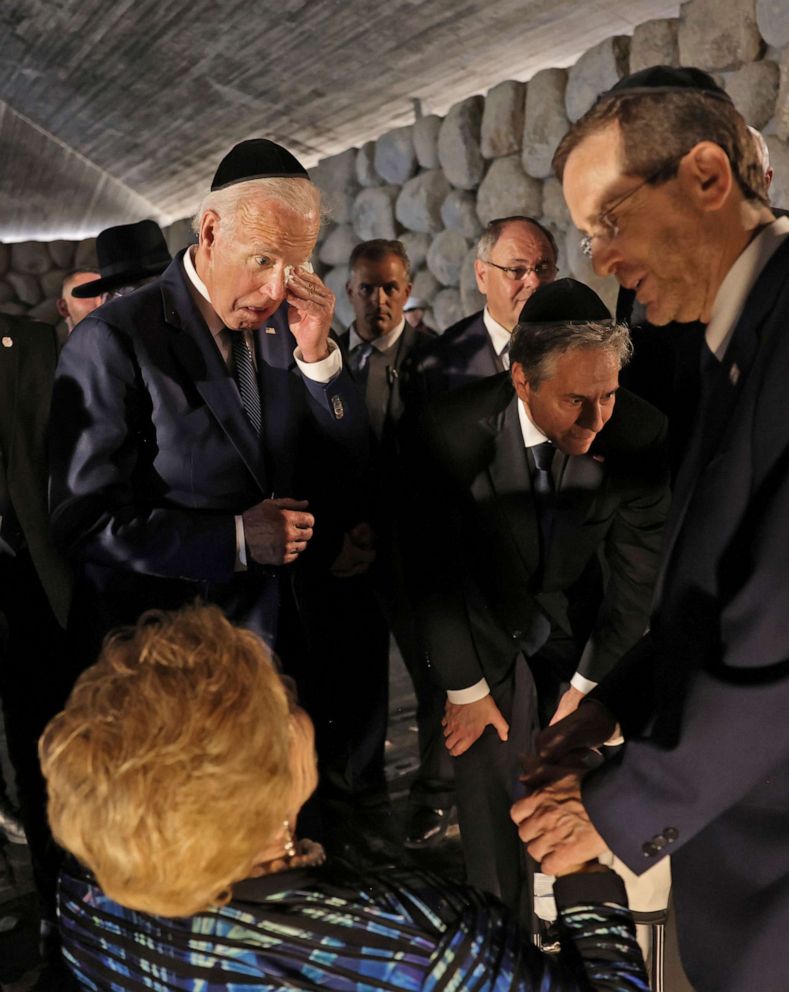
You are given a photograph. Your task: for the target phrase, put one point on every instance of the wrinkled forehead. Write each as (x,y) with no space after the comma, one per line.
(585,372)
(592,170)
(269,222)
(389,268)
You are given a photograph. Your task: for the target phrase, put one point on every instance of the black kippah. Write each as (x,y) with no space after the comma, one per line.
(666,79)
(562,302)
(257,158)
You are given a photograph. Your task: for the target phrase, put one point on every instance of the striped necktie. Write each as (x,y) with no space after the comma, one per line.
(246,380)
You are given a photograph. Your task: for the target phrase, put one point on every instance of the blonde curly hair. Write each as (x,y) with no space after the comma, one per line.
(169,769)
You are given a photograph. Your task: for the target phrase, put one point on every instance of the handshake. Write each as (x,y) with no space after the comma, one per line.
(552,821)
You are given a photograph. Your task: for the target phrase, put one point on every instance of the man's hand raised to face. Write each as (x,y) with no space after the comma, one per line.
(277,530)
(311,308)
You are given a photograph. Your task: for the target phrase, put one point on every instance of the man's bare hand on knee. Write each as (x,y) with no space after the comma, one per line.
(278,530)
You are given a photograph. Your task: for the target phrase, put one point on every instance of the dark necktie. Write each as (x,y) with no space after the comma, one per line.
(360,361)
(246,380)
(543,489)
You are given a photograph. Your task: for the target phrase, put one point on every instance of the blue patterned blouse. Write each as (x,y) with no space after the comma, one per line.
(331,928)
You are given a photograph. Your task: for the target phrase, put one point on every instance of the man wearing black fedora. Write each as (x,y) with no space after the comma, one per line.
(203,424)
(541,471)
(129,255)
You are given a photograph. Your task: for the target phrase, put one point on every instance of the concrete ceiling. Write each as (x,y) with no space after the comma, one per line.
(114,111)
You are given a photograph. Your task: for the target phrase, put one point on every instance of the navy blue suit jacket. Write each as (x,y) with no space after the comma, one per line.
(152,457)
(704,698)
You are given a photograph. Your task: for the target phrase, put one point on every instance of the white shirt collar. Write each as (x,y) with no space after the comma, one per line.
(739,281)
(532,434)
(499,335)
(201,298)
(383,343)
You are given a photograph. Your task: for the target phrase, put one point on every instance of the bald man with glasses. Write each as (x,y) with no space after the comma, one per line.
(515,255)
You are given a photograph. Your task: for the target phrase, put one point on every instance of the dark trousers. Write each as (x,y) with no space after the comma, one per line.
(487,783)
(35,679)
(434,784)
(343,683)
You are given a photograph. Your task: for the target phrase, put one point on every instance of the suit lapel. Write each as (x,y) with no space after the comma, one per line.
(711,424)
(508,475)
(194,349)
(10,389)
(579,480)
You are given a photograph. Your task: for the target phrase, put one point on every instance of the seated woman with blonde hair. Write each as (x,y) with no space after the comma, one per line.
(175,773)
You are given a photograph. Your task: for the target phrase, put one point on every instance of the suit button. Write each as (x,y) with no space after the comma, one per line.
(659,841)
(649,849)
(671,834)
(517,635)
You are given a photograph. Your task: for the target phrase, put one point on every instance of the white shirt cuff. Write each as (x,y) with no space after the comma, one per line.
(581,683)
(241,546)
(470,695)
(324,370)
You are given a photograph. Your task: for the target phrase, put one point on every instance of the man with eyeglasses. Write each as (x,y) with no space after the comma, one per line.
(666,182)
(515,255)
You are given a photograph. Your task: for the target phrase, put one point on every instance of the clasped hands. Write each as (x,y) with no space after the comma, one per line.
(276,531)
(552,821)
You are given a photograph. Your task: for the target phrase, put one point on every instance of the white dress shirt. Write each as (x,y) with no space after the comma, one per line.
(382,343)
(738,282)
(500,337)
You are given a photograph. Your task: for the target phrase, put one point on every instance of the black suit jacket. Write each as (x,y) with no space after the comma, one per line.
(462,354)
(152,456)
(482,589)
(703,700)
(28,353)
(406,353)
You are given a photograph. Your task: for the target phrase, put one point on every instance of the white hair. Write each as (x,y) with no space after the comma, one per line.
(299,195)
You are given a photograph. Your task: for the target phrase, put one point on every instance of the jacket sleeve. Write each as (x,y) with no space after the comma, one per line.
(632,550)
(434,553)
(98,438)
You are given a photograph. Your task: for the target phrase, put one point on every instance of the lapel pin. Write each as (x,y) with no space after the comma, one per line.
(8,342)
(734,374)
(337,408)
(270,330)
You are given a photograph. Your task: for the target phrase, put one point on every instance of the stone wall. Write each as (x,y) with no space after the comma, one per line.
(434,184)
(31,272)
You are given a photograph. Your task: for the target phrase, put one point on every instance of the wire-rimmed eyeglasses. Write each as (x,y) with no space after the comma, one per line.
(606,220)
(543,270)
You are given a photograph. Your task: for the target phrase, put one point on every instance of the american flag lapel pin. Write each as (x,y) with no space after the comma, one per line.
(270,329)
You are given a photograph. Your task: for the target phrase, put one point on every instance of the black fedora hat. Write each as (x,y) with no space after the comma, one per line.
(127,253)
(565,301)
